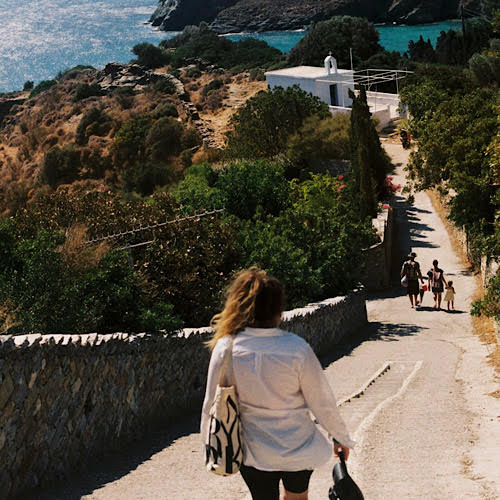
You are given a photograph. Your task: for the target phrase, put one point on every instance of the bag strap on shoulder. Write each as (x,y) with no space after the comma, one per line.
(226,376)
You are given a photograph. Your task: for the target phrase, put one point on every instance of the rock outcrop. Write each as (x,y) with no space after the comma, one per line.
(10,105)
(115,75)
(229,16)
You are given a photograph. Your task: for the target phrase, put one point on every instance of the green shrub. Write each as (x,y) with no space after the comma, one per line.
(125,97)
(164,139)
(248,187)
(256,74)
(144,178)
(198,191)
(129,144)
(201,42)
(338,35)
(165,86)
(60,166)
(193,72)
(165,109)
(150,55)
(213,85)
(42,87)
(94,122)
(84,90)
(262,126)
(28,85)
(490,305)
(191,138)
(48,295)
(320,139)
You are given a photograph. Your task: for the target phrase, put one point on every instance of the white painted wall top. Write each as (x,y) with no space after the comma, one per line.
(309,72)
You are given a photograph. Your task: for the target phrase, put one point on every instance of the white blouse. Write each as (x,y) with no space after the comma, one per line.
(279,381)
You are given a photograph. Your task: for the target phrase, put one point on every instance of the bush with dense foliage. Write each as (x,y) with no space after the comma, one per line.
(130,141)
(261,128)
(150,55)
(84,90)
(490,304)
(145,178)
(320,139)
(94,122)
(456,137)
(43,294)
(42,87)
(450,49)
(60,166)
(203,43)
(337,35)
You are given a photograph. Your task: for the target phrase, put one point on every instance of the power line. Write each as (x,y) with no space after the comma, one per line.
(152,226)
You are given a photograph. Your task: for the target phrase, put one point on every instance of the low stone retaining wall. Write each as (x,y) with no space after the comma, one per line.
(377,260)
(64,399)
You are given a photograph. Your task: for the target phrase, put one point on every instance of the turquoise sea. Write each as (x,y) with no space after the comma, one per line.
(392,37)
(38,38)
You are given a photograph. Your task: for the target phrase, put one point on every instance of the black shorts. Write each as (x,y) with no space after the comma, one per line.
(437,289)
(265,485)
(413,287)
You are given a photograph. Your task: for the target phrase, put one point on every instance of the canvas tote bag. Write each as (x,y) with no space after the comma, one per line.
(224,453)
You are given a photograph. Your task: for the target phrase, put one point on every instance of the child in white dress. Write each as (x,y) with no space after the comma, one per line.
(449,296)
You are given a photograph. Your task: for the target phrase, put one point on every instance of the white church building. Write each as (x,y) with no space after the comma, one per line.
(332,86)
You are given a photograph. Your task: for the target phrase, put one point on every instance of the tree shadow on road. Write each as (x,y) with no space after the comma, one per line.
(112,466)
(386,332)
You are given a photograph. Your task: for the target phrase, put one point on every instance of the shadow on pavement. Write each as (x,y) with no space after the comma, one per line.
(112,466)
(388,332)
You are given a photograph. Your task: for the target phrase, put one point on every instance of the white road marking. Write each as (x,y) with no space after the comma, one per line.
(367,421)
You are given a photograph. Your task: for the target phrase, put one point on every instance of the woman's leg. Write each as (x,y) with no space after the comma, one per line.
(262,485)
(295,496)
(296,484)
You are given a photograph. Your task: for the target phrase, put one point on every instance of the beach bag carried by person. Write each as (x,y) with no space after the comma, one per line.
(404,281)
(344,487)
(224,453)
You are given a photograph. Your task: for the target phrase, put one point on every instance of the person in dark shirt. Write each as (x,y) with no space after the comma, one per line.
(437,283)
(411,269)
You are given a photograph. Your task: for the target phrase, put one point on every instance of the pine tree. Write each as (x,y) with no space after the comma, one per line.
(369,163)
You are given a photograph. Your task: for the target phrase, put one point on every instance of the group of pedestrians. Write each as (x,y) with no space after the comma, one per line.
(413,280)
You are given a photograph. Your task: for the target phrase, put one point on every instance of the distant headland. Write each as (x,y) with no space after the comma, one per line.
(233,16)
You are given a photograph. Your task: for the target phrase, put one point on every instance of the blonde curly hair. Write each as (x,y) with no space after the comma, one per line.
(253,299)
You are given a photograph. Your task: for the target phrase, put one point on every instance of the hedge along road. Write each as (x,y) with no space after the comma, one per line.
(426,426)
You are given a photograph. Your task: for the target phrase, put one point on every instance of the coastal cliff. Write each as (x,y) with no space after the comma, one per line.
(230,16)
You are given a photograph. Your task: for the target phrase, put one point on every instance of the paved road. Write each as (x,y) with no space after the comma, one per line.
(426,428)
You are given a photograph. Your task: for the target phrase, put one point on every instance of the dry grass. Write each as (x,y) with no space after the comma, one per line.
(74,251)
(8,316)
(483,327)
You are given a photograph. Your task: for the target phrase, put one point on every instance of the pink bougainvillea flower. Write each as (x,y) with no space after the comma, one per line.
(385,205)
(340,177)
(341,187)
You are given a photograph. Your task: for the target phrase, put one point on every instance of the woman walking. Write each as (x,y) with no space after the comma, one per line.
(279,380)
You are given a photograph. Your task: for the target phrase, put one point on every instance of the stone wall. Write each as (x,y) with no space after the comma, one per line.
(376,274)
(64,399)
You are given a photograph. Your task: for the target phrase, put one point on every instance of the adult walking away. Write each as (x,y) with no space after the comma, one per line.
(411,269)
(279,380)
(437,283)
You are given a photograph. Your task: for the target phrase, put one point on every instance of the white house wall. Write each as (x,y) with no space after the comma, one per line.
(306,84)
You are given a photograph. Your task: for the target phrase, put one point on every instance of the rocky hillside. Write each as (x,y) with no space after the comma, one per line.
(226,16)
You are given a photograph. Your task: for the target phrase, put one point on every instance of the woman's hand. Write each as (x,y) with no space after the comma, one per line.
(337,448)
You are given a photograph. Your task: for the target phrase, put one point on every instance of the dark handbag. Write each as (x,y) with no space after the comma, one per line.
(344,487)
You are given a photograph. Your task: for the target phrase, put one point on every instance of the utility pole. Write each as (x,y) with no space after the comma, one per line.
(463,33)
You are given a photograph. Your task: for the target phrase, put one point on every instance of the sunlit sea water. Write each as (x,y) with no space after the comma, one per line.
(38,38)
